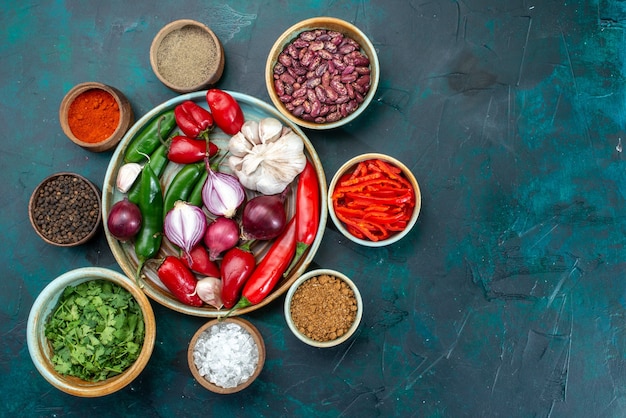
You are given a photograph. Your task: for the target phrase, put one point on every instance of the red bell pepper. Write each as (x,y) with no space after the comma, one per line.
(237,265)
(198,260)
(375,201)
(269,271)
(227,113)
(179,280)
(307,211)
(185,150)
(194,120)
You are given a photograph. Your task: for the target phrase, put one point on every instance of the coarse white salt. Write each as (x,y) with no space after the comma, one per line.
(226,355)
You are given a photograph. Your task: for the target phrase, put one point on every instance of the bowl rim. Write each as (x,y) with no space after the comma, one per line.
(408,174)
(43,305)
(290,34)
(127,116)
(212,78)
(311,274)
(256,336)
(31,205)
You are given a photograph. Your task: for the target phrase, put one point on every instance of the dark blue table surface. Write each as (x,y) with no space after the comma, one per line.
(508,297)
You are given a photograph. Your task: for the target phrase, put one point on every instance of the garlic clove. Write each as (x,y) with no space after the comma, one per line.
(209,289)
(250,130)
(126,176)
(239,145)
(270,129)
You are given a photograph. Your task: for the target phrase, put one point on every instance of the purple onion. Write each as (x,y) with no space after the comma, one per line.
(222,234)
(222,193)
(124,220)
(264,217)
(184,225)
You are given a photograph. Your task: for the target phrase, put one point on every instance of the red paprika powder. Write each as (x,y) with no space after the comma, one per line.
(93,116)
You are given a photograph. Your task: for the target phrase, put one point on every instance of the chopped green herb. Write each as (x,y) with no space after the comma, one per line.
(96,330)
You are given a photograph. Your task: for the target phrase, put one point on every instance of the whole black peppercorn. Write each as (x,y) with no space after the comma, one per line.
(65,209)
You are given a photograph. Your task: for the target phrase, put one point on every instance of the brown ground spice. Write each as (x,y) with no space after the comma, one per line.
(323,308)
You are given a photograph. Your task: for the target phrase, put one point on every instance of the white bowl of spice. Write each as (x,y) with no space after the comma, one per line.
(323,308)
(187,56)
(226,355)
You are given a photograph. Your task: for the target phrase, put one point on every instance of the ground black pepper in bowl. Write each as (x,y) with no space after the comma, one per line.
(65,209)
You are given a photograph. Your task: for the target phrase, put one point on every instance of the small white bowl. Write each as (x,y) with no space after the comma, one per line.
(39,347)
(349,166)
(288,303)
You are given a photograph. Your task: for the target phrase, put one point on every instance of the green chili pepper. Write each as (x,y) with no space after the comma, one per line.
(150,137)
(182,185)
(158,162)
(148,239)
(195,198)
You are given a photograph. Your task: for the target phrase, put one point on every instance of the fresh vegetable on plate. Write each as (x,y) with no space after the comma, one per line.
(198,260)
(179,280)
(124,219)
(227,113)
(185,150)
(265,156)
(222,193)
(182,185)
(221,235)
(235,269)
(269,271)
(307,211)
(184,226)
(194,120)
(149,237)
(149,139)
(264,217)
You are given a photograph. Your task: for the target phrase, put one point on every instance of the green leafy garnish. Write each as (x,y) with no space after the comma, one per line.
(96,330)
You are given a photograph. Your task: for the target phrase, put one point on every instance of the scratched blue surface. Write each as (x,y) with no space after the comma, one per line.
(509,296)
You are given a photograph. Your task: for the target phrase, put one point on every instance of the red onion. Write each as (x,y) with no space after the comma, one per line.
(222,234)
(184,225)
(264,217)
(222,193)
(124,220)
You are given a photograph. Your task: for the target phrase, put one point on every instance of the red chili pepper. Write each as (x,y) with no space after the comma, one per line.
(199,261)
(307,211)
(194,120)
(185,150)
(237,266)
(227,113)
(179,280)
(269,271)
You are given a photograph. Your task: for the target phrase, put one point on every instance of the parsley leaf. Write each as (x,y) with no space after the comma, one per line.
(96,330)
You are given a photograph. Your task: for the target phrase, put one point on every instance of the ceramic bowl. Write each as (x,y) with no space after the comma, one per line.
(322,336)
(187,56)
(254,337)
(55,226)
(126,117)
(330,24)
(40,349)
(348,167)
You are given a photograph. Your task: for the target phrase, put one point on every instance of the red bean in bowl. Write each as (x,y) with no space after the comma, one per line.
(322,76)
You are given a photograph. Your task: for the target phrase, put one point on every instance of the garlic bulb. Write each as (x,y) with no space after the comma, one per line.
(266,156)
